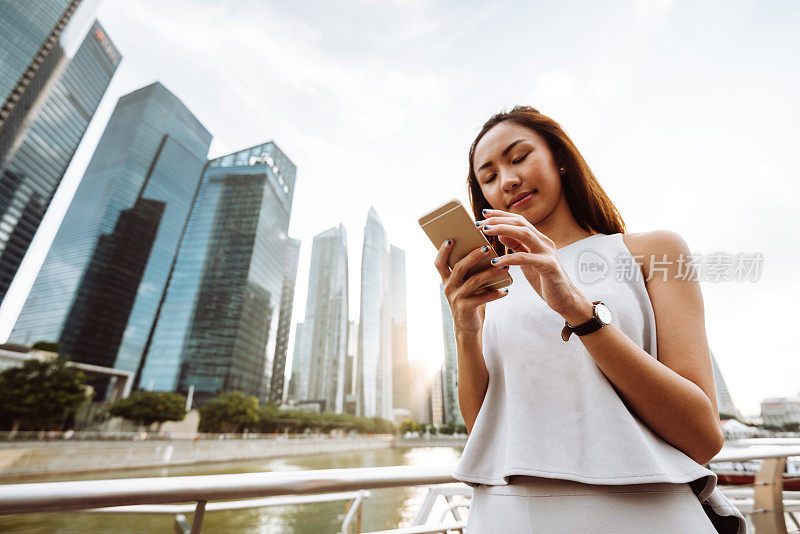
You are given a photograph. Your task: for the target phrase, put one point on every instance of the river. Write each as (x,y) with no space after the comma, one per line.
(385,509)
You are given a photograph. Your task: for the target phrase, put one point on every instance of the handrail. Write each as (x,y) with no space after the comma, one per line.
(81,495)
(756,453)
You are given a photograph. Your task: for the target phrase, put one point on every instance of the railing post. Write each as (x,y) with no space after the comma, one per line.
(199,512)
(181,525)
(768,497)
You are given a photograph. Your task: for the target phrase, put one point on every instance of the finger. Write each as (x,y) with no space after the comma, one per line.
(500,213)
(463,265)
(512,244)
(474,283)
(542,262)
(523,234)
(489,212)
(442,259)
(492,221)
(487,296)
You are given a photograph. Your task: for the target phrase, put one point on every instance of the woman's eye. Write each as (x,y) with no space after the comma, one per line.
(489,179)
(520,160)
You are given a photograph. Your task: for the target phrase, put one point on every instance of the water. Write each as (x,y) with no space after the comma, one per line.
(385,509)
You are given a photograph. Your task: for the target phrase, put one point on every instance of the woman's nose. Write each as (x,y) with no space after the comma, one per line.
(509,180)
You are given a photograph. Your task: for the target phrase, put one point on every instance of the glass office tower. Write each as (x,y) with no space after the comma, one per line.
(321,364)
(375,328)
(101,283)
(45,123)
(449,374)
(217,326)
(35,37)
(277,378)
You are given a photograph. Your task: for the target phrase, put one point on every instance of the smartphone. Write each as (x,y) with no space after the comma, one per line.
(452,221)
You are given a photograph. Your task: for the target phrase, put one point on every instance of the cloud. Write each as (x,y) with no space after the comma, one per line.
(651,12)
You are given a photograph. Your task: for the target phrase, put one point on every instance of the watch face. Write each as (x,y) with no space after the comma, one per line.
(603,313)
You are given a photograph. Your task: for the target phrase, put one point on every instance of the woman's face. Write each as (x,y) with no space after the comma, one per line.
(516,171)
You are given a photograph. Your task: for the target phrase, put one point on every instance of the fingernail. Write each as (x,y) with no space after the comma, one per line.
(484,211)
(485,249)
(478,223)
(495,260)
(447,243)
(505,267)
(505,290)
(486,227)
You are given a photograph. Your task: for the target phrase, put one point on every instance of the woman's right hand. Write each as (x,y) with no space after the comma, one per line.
(463,293)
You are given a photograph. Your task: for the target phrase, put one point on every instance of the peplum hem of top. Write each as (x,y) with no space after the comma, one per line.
(701,478)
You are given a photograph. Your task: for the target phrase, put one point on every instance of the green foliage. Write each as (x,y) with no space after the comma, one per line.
(148,407)
(271,419)
(49,346)
(408,425)
(40,394)
(229,412)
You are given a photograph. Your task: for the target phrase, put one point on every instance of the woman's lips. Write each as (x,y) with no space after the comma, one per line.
(523,200)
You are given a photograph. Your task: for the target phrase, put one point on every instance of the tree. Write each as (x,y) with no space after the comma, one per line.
(49,346)
(229,412)
(39,395)
(148,407)
(409,425)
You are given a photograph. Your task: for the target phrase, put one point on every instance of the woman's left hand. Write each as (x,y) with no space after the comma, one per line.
(535,253)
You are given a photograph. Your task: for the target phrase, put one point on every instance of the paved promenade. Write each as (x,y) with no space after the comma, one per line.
(21,458)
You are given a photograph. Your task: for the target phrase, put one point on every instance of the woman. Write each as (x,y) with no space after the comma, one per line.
(587,389)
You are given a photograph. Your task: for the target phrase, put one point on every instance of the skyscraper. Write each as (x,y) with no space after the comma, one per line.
(725,403)
(298,384)
(408,377)
(36,41)
(323,346)
(278,379)
(217,326)
(101,283)
(451,411)
(375,326)
(436,400)
(351,370)
(41,124)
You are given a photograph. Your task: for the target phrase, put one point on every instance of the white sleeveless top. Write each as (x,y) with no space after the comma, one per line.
(549,411)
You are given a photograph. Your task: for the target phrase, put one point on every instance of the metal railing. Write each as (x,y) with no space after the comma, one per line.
(766,507)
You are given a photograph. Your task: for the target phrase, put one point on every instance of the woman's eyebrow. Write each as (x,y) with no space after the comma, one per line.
(506,151)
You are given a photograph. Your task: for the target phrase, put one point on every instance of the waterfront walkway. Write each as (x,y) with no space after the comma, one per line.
(21,458)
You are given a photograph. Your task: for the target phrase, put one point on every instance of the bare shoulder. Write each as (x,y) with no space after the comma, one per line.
(647,247)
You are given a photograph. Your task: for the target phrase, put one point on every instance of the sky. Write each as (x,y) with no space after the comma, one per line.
(687,113)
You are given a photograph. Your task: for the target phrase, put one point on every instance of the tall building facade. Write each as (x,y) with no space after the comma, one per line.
(351,370)
(450,409)
(36,41)
(323,345)
(45,115)
(278,378)
(409,377)
(218,323)
(725,403)
(375,324)
(437,399)
(298,384)
(101,283)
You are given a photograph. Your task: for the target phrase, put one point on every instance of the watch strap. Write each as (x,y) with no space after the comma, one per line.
(592,325)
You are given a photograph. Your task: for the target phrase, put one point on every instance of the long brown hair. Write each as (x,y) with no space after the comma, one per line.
(587,200)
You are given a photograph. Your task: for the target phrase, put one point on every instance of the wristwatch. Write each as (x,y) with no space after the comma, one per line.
(602,317)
